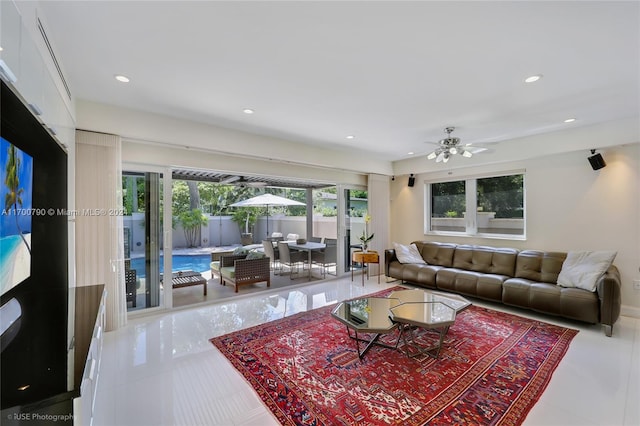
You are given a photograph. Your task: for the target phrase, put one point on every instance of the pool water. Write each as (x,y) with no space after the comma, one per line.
(181,262)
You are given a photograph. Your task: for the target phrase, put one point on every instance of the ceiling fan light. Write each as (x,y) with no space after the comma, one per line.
(453,150)
(467,154)
(446,158)
(432,156)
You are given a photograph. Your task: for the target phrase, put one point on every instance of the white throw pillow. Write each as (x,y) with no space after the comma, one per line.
(408,254)
(583,269)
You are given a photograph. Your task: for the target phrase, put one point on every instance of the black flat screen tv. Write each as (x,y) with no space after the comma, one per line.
(34,246)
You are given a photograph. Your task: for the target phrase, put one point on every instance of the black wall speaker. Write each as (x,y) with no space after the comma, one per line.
(412,180)
(597,162)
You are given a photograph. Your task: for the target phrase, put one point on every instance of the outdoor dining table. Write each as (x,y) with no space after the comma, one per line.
(308,247)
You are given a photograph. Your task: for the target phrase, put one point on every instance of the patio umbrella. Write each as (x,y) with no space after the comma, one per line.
(266,200)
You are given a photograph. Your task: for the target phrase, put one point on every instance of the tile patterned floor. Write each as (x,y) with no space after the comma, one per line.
(162,370)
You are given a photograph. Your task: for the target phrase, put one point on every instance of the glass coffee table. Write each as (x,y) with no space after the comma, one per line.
(368,315)
(426,310)
(403,310)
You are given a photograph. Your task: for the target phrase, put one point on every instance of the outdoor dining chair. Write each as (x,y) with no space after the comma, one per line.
(290,258)
(327,256)
(271,252)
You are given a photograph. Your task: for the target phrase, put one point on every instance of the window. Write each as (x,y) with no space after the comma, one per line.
(488,206)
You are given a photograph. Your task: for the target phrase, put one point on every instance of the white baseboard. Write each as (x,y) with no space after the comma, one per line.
(630,311)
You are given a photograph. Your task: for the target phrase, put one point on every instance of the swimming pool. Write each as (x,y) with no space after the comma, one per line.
(180,262)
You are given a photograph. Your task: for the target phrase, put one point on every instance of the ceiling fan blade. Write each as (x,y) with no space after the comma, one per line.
(433,143)
(476,149)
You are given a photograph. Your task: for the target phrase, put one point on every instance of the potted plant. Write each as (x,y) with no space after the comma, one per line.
(246,219)
(365,238)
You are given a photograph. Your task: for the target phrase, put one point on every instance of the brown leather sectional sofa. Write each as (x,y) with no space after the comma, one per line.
(525,279)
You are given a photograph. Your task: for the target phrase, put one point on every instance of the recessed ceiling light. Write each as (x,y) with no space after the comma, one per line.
(122,78)
(410,153)
(533,78)
(1,49)
(569,120)
(350,137)
(248,111)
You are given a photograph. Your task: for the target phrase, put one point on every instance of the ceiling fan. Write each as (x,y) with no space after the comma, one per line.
(450,146)
(242,182)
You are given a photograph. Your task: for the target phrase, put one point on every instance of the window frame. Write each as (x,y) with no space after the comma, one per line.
(471,201)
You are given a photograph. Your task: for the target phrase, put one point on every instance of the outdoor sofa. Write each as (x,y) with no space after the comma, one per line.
(522,278)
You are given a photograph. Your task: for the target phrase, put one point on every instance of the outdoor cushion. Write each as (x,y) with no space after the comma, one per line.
(255,255)
(240,250)
(215,265)
(228,271)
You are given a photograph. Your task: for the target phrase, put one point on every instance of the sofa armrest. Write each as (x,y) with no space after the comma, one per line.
(252,270)
(610,295)
(389,256)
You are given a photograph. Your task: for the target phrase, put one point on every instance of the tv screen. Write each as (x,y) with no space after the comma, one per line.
(16,192)
(34,253)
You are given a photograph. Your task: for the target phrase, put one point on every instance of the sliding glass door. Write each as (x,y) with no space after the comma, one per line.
(142,200)
(354,208)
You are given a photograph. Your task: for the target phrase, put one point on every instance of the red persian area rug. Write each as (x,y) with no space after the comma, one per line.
(492,369)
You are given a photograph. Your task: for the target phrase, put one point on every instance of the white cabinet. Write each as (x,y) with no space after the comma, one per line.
(84,405)
(24,57)
(10,34)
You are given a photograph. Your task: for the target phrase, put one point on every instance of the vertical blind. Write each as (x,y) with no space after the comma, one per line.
(379,193)
(99,229)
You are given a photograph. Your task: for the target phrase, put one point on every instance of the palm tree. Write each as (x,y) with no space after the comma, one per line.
(13,198)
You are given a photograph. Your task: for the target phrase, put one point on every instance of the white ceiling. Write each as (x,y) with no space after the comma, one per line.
(393,74)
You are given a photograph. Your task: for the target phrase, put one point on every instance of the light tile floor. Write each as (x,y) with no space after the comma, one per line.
(162,369)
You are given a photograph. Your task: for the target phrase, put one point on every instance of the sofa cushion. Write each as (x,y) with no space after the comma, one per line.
(583,269)
(489,286)
(435,253)
(539,266)
(419,273)
(408,254)
(515,292)
(488,260)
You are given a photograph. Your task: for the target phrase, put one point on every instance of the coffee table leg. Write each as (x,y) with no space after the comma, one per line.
(432,351)
(370,343)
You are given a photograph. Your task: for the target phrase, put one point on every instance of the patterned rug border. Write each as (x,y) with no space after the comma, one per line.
(514,415)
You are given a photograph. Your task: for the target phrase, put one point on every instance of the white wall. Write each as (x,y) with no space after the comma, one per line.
(164,156)
(568,205)
(137,126)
